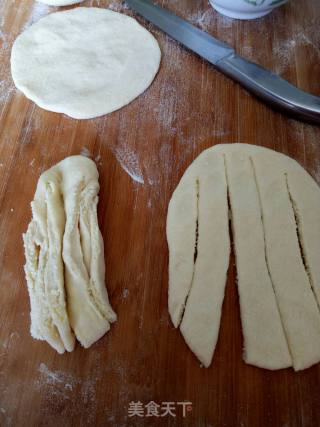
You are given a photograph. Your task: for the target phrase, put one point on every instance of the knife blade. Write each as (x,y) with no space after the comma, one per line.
(263,83)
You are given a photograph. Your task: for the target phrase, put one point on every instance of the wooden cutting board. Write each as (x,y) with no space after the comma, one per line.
(141,152)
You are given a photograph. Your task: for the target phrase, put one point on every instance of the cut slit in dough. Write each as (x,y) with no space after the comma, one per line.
(203,306)
(181,232)
(297,304)
(258,304)
(278,289)
(64,235)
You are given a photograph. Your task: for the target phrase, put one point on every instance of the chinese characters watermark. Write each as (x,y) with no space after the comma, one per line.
(163,409)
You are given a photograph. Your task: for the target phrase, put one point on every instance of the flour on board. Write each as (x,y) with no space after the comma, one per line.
(39,10)
(285,50)
(6,89)
(58,387)
(55,377)
(3,42)
(125,293)
(6,84)
(129,162)
(117,6)
(98,159)
(85,152)
(201,19)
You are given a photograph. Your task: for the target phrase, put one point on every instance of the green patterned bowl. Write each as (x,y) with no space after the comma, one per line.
(245,9)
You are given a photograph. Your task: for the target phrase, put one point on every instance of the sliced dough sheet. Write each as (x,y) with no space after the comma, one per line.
(181,235)
(201,320)
(305,199)
(275,210)
(265,343)
(297,304)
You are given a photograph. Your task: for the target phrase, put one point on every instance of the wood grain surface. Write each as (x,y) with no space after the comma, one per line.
(141,152)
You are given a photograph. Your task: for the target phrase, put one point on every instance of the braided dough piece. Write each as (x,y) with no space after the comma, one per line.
(65,258)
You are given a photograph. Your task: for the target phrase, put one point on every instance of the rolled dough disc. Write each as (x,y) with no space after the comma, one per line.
(84,62)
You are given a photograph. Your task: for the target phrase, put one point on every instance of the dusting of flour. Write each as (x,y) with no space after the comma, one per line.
(118,6)
(129,162)
(6,84)
(85,152)
(60,386)
(55,377)
(125,293)
(39,10)
(285,50)
(127,159)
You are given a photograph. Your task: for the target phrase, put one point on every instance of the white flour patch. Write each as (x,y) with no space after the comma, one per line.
(39,10)
(303,37)
(118,6)
(85,152)
(125,293)
(59,386)
(166,109)
(303,40)
(6,83)
(13,338)
(97,159)
(284,53)
(50,376)
(6,89)
(151,181)
(247,51)
(129,162)
(201,19)
(4,44)
(88,391)
(55,377)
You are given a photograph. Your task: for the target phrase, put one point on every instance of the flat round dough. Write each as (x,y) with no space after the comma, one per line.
(84,62)
(60,2)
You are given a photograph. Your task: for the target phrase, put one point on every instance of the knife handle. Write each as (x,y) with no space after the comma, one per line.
(271,88)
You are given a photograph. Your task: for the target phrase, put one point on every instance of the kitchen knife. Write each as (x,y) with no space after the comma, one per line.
(261,82)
